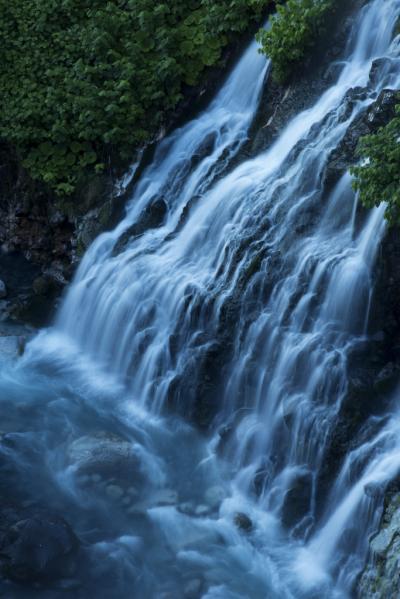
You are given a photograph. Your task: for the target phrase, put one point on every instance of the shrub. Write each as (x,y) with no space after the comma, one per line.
(377,177)
(83,80)
(293,32)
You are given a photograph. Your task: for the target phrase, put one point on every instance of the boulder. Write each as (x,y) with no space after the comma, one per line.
(38,549)
(106,457)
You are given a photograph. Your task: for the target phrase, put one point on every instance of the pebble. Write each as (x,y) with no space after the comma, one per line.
(202,510)
(114,491)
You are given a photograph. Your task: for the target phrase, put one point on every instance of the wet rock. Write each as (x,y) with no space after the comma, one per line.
(381,542)
(114,492)
(202,510)
(379,67)
(380,578)
(383,109)
(214,496)
(165,497)
(109,457)
(376,115)
(243,522)
(387,378)
(152,216)
(374,490)
(9,346)
(21,344)
(187,508)
(3,290)
(43,285)
(297,500)
(38,549)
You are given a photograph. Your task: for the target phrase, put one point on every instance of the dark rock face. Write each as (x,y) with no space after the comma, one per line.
(45,236)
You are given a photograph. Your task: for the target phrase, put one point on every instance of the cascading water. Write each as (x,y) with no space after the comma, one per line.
(233,291)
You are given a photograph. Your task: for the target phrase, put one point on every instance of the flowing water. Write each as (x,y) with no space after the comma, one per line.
(231,294)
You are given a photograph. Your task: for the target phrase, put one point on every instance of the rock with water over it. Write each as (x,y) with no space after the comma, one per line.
(297,499)
(202,510)
(108,462)
(114,491)
(243,522)
(152,216)
(374,490)
(3,290)
(9,346)
(165,497)
(214,495)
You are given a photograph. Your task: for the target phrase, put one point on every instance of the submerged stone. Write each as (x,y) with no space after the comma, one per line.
(243,522)
(114,491)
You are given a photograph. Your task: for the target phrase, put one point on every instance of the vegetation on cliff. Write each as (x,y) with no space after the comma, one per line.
(377,176)
(294,30)
(86,81)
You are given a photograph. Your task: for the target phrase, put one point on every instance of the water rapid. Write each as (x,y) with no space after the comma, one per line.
(231,296)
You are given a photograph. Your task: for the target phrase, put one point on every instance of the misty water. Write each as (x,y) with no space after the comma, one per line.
(230,295)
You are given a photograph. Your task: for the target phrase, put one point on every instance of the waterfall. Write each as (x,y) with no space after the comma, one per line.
(231,294)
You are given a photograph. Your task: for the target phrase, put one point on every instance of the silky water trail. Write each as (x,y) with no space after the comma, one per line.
(252,264)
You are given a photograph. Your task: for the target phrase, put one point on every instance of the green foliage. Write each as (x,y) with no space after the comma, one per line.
(293,32)
(377,177)
(83,80)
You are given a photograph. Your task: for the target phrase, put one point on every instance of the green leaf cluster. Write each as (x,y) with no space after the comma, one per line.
(294,30)
(377,176)
(85,80)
